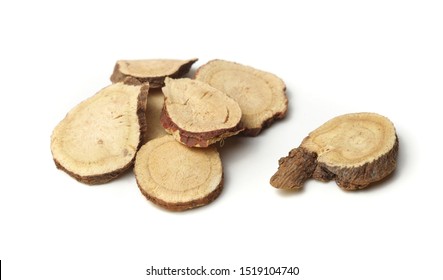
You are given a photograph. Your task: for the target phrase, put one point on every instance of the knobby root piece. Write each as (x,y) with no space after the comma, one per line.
(176,177)
(353,149)
(198,115)
(153,71)
(153,111)
(98,139)
(261,95)
(295,169)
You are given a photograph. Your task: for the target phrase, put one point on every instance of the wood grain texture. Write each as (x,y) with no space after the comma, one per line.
(177,177)
(198,115)
(261,95)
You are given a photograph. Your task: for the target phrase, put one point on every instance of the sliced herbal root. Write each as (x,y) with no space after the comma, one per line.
(98,139)
(153,71)
(197,114)
(176,177)
(354,149)
(261,95)
(153,111)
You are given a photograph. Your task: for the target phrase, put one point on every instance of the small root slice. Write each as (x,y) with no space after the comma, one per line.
(261,95)
(198,115)
(154,108)
(153,71)
(176,177)
(355,150)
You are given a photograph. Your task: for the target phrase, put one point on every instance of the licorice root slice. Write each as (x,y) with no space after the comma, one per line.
(98,139)
(154,108)
(261,95)
(353,149)
(153,71)
(176,177)
(198,115)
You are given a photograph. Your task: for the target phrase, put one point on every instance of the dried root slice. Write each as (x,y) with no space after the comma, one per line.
(153,111)
(153,71)
(261,95)
(98,139)
(354,149)
(176,177)
(197,114)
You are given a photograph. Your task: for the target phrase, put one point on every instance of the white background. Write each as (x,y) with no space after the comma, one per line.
(336,57)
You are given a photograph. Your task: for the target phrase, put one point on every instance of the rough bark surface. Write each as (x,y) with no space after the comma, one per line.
(98,139)
(294,169)
(360,177)
(261,95)
(198,115)
(153,71)
(177,177)
(355,150)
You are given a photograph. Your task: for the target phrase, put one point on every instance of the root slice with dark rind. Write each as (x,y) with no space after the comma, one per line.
(261,95)
(353,149)
(153,71)
(176,177)
(98,139)
(197,114)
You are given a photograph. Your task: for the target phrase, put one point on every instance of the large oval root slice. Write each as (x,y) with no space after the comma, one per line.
(353,149)
(261,95)
(98,139)
(176,177)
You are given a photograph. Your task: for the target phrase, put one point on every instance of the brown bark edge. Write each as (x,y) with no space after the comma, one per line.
(192,139)
(252,132)
(106,177)
(267,123)
(182,206)
(294,169)
(154,82)
(302,164)
(356,178)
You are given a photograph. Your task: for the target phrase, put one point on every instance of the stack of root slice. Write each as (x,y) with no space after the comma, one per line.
(198,114)
(355,150)
(102,137)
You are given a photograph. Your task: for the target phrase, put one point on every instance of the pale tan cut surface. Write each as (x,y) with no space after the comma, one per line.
(153,71)
(98,139)
(351,140)
(154,108)
(354,149)
(177,177)
(261,95)
(194,107)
